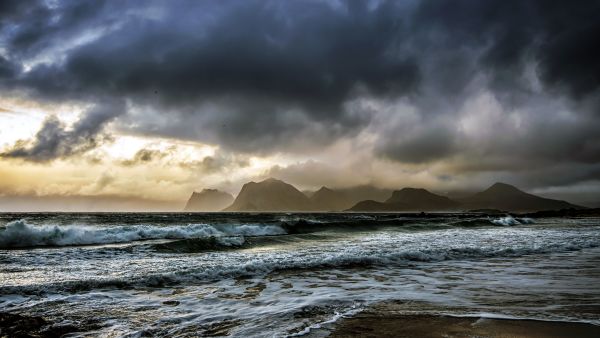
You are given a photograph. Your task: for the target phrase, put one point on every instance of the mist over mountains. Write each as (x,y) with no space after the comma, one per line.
(276,195)
(208,200)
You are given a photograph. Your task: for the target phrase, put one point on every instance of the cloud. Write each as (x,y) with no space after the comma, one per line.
(288,73)
(144,156)
(557,36)
(54,140)
(313,175)
(469,87)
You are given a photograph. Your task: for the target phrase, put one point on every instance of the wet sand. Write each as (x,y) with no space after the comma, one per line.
(383,321)
(15,325)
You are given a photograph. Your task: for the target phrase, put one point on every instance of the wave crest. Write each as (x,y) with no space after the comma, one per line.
(19,233)
(509,220)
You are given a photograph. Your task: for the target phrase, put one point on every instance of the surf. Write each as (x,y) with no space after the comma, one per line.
(20,234)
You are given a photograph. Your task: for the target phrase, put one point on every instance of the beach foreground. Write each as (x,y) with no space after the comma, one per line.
(389,320)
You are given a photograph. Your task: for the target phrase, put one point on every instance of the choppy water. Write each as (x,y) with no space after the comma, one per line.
(290,274)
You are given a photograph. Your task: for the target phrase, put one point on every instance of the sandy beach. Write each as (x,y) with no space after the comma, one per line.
(389,320)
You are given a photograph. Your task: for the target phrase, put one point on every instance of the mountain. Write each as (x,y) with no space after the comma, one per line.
(409,199)
(326,199)
(208,200)
(275,195)
(270,195)
(308,193)
(421,200)
(374,206)
(506,197)
(343,198)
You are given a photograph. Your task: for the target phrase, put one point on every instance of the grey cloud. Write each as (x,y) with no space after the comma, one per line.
(11,10)
(144,156)
(245,125)
(275,76)
(32,26)
(543,132)
(103,181)
(313,175)
(217,163)
(8,69)
(428,143)
(558,35)
(254,52)
(55,140)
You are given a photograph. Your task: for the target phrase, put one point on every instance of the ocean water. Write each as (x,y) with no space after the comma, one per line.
(278,275)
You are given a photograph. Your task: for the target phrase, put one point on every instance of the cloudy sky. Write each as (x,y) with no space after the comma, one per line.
(146,101)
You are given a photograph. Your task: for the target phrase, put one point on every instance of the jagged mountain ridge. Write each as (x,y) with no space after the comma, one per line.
(208,200)
(418,199)
(270,195)
(506,197)
(276,195)
(326,199)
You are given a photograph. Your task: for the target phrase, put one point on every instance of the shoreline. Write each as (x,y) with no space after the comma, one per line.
(391,319)
(19,325)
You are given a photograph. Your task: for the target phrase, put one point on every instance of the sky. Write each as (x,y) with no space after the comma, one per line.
(135,104)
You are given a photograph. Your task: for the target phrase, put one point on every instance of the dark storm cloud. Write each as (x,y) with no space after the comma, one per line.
(561,36)
(31,26)
(306,57)
(7,69)
(15,9)
(276,76)
(55,140)
(422,146)
(499,46)
(304,53)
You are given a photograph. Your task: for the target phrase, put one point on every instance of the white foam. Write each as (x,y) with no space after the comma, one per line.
(506,221)
(337,316)
(21,234)
(526,220)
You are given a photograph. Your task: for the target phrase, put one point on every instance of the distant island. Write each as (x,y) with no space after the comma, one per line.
(278,196)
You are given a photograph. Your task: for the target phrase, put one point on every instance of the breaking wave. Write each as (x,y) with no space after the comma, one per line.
(18,234)
(509,220)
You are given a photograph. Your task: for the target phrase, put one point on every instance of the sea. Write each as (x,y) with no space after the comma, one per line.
(290,274)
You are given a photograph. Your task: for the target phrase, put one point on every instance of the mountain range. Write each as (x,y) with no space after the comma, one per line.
(276,195)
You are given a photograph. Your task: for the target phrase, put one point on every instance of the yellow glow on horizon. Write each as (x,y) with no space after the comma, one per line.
(21,118)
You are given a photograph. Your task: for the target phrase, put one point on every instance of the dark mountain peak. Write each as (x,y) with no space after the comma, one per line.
(411,193)
(265,184)
(409,190)
(418,199)
(500,187)
(270,195)
(412,189)
(324,189)
(502,196)
(326,199)
(269,184)
(271,180)
(208,200)
(206,191)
